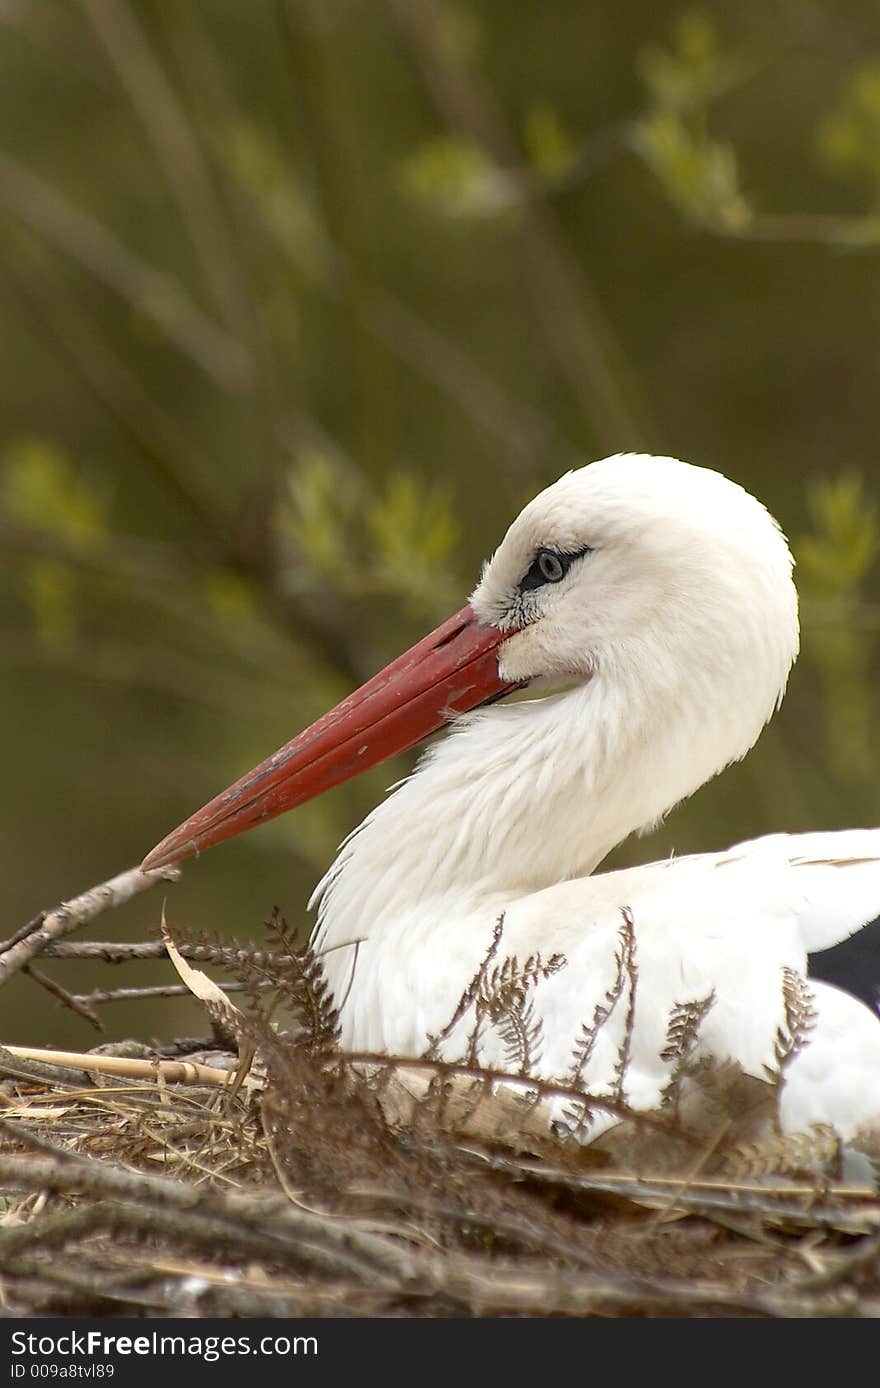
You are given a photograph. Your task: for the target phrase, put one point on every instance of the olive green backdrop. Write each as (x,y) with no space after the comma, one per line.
(299,303)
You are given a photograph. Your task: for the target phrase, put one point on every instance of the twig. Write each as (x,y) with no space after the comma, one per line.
(64,919)
(23,931)
(115,952)
(124,951)
(690,1176)
(287,1226)
(512,1227)
(526,1084)
(779,1203)
(868,1251)
(160,990)
(76,1002)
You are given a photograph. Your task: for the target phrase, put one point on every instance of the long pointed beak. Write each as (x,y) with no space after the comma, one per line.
(452,670)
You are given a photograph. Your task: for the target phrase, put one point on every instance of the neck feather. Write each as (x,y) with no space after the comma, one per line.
(514,799)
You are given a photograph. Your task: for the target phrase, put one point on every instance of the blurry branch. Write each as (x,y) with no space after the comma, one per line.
(171,454)
(529,438)
(394,1267)
(127,557)
(861,616)
(168,129)
(285,1227)
(590,360)
(330,259)
(699,172)
(365,542)
(159,671)
(859,233)
(119,390)
(28,942)
(349,209)
(182,121)
(153,293)
(834,563)
(169,581)
(582,159)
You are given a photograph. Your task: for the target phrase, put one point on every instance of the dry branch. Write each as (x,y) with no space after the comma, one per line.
(64,919)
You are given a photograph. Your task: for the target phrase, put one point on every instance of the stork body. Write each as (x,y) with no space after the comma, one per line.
(651,604)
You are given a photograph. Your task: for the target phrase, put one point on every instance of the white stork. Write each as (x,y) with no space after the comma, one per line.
(650,606)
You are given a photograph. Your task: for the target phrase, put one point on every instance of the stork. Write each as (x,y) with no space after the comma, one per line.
(649,605)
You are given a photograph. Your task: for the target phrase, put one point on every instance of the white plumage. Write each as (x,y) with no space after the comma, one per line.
(661,631)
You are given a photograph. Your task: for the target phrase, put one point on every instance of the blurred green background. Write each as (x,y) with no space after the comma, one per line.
(301,301)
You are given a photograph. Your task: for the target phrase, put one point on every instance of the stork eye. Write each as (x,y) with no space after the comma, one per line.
(550,566)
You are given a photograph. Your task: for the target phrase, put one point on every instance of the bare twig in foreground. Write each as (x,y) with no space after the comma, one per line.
(67,917)
(159,990)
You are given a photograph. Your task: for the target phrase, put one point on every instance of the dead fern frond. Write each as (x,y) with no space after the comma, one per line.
(522,1034)
(583,1048)
(467,998)
(683,1027)
(505,999)
(631,973)
(290,969)
(682,1033)
(580,1116)
(816,1152)
(799,1007)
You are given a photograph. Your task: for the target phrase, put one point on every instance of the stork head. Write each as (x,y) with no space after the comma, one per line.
(636,562)
(666,584)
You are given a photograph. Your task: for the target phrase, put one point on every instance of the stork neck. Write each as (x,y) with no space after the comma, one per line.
(514,799)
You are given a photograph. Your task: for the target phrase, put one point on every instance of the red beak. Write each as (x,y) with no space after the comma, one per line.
(452,670)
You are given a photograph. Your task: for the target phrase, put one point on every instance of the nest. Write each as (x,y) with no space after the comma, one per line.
(260,1172)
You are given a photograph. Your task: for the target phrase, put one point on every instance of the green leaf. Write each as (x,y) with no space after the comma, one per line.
(230,597)
(267,176)
(453,176)
(691,70)
(834,562)
(699,174)
(551,148)
(839,554)
(413,532)
(849,138)
(50,589)
(41,489)
(317,513)
(393,543)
